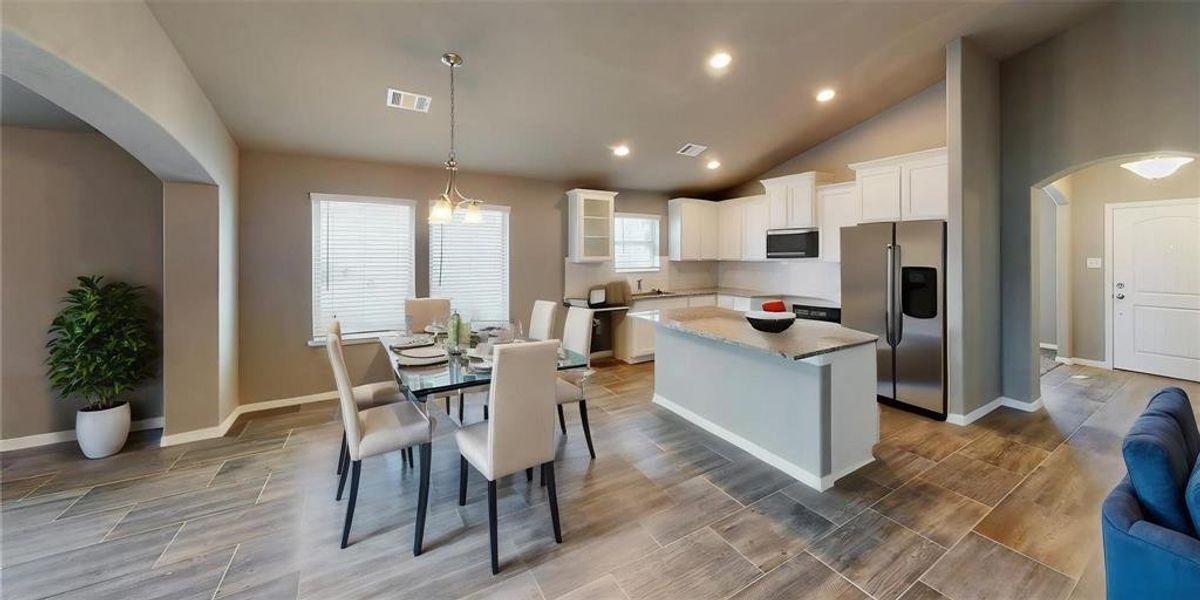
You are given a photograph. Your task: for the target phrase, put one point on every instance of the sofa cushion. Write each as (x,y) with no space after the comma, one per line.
(1192,496)
(1156,457)
(1173,401)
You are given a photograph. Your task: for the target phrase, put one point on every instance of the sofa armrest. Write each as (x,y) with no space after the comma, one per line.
(1144,560)
(1168,540)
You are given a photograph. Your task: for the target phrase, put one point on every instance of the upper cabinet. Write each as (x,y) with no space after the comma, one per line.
(837,207)
(729,230)
(791,200)
(692,229)
(909,187)
(756,218)
(590,225)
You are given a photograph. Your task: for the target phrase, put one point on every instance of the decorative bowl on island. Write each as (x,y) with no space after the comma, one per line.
(770,322)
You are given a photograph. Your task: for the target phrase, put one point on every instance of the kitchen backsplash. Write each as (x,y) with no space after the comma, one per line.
(812,278)
(580,277)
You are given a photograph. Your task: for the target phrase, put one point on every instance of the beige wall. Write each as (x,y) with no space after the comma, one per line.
(1124,81)
(1090,190)
(72,204)
(275,258)
(918,123)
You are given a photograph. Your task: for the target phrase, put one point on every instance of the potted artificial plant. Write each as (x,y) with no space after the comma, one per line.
(101,345)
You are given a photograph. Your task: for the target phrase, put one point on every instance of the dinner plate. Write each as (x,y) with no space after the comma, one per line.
(405,342)
(434,329)
(408,361)
(424,352)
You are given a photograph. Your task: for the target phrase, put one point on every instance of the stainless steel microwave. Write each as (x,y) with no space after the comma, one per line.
(793,243)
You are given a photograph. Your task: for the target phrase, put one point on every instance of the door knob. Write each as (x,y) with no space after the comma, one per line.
(1120,296)
(1120,286)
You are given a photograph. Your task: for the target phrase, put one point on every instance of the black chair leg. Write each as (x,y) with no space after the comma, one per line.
(543,475)
(529,474)
(422,498)
(342,476)
(461,402)
(492,533)
(356,466)
(462,481)
(587,430)
(342,454)
(485,412)
(411,462)
(562,420)
(548,469)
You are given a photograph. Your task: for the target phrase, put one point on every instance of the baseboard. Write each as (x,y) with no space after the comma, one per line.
(1045,346)
(220,430)
(1087,362)
(1066,360)
(58,437)
(979,413)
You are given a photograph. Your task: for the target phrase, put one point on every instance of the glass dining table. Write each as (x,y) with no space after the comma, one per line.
(419,383)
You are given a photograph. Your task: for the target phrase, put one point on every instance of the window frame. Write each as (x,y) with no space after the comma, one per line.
(506,238)
(315,199)
(657,241)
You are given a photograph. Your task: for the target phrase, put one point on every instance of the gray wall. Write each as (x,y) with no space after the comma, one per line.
(1124,81)
(73,204)
(918,123)
(1047,241)
(275,265)
(973,228)
(1090,189)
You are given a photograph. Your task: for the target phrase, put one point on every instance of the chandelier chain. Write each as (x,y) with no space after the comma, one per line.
(452,154)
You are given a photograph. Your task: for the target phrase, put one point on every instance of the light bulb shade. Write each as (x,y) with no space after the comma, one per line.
(441,212)
(474,213)
(1157,167)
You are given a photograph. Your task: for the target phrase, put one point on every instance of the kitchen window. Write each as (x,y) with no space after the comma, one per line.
(362,263)
(635,242)
(468,263)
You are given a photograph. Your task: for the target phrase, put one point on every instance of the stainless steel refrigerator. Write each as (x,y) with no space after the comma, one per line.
(894,286)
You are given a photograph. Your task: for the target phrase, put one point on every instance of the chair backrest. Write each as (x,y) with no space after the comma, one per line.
(522,399)
(345,390)
(541,323)
(577,332)
(420,313)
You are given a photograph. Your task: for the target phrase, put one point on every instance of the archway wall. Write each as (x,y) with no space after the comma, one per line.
(112,65)
(1124,81)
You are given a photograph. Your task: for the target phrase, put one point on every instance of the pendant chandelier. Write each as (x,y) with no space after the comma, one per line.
(451,199)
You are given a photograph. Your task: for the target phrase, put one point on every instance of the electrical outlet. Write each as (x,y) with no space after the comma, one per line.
(1095,263)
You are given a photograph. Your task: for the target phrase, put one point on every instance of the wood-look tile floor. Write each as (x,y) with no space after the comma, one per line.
(1005,508)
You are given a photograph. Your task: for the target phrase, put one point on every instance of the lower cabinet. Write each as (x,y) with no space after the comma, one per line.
(705,300)
(635,337)
(739,303)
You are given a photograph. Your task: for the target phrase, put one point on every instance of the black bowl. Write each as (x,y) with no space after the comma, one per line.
(771,324)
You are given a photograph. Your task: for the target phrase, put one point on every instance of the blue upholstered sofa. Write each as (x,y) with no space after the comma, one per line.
(1150,521)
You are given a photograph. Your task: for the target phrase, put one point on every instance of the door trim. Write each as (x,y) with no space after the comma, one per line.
(1109,209)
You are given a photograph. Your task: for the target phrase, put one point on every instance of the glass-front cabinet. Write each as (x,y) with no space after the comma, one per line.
(590,227)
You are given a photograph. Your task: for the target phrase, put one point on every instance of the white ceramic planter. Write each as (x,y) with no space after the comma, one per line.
(102,432)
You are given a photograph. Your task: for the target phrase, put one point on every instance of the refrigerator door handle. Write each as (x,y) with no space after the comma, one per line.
(897,294)
(889,318)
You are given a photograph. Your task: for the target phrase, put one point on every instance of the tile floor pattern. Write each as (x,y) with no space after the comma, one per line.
(1004,508)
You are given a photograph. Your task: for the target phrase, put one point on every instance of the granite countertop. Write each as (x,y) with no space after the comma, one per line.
(802,340)
(727,291)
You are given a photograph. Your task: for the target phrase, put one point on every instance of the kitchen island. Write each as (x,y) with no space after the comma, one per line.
(802,400)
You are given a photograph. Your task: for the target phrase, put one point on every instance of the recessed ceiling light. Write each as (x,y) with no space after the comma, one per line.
(826,95)
(621,150)
(1157,167)
(720,60)
(713,164)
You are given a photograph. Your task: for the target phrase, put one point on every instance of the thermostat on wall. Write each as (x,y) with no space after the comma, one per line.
(1095,263)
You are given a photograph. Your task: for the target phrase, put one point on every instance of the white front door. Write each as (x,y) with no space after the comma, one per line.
(1156,288)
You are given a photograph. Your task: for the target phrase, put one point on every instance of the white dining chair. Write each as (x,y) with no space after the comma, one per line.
(379,430)
(569,387)
(420,313)
(368,395)
(541,322)
(520,433)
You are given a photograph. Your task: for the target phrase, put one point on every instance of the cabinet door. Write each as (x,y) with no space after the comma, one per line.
(879,194)
(643,330)
(755,221)
(741,303)
(835,209)
(925,191)
(801,208)
(705,300)
(729,229)
(692,228)
(709,237)
(725,301)
(778,206)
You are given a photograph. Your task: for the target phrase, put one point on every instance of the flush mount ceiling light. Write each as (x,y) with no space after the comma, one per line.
(713,164)
(720,60)
(452,199)
(1157,167)
(621,150)
(826,95)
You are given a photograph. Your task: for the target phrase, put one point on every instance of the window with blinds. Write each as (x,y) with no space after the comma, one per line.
(635,242)
(362,262)
(468,263)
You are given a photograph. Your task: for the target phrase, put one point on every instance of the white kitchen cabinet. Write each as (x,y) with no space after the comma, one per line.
(702,300)
(837,207)
(908,187)
(791,200)
(692,229)
(590,225)
(729,230)
(738,303)
(755,222)
(637,344)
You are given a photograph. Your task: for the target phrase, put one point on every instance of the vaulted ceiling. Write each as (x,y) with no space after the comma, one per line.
(547,88)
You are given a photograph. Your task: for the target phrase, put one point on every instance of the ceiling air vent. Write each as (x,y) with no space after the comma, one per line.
(692,150)
(408,100)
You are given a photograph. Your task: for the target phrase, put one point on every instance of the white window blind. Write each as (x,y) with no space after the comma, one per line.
(468,263)
(362,262)
(635,242)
